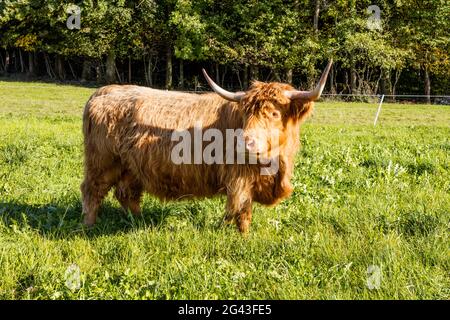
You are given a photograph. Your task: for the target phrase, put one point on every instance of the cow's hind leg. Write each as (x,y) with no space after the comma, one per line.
(129,192)
(94,188)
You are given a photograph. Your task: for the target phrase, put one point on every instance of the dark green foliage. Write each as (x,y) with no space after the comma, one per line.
(245,40)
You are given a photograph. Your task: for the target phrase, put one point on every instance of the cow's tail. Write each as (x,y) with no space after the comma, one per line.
(86,118)
(87,125)
(86,114)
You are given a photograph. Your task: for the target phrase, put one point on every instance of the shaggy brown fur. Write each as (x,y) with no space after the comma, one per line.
(127,139)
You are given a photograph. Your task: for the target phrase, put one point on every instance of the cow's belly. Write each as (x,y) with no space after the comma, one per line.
(179,182)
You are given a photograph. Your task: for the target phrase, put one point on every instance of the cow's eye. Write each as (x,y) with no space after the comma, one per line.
(276,114)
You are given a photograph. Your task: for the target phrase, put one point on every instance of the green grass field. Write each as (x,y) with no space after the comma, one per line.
(364,196)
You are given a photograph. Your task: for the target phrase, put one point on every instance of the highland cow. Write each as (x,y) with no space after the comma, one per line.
(128,141)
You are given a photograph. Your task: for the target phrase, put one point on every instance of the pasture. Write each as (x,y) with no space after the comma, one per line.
(364,196)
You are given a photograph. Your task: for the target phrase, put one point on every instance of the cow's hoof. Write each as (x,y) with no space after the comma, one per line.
(244,227)
(88,221)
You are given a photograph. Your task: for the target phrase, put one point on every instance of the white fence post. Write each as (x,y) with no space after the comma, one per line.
(379,110)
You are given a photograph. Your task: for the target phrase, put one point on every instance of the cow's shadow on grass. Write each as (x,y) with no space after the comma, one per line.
(59,221)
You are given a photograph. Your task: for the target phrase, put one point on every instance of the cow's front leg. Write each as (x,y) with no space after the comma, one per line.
(239,209)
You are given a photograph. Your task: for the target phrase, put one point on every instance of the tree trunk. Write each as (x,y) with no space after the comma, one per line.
(386,86)
(129,69)
(427,86)
(119,76)
(146,70)
(394,85)
(31,64)
(245,84)
(332,79)
(181,80)
(48,66)
(150,71)
(2,63)
(353,81)
(289,76)
(316,16)
(7,61)
(276,76)
(22,65)
(224,73)
(98,72)
(85,73)
(169,71)
(59,65)
(311,81)
(254,72)
(111,67)
(217,73)
(74,76)
(16,67)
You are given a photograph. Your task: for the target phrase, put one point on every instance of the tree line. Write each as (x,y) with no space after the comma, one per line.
(164,43)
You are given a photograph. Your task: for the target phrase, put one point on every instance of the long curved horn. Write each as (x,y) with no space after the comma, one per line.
(314,94)
(231,96)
